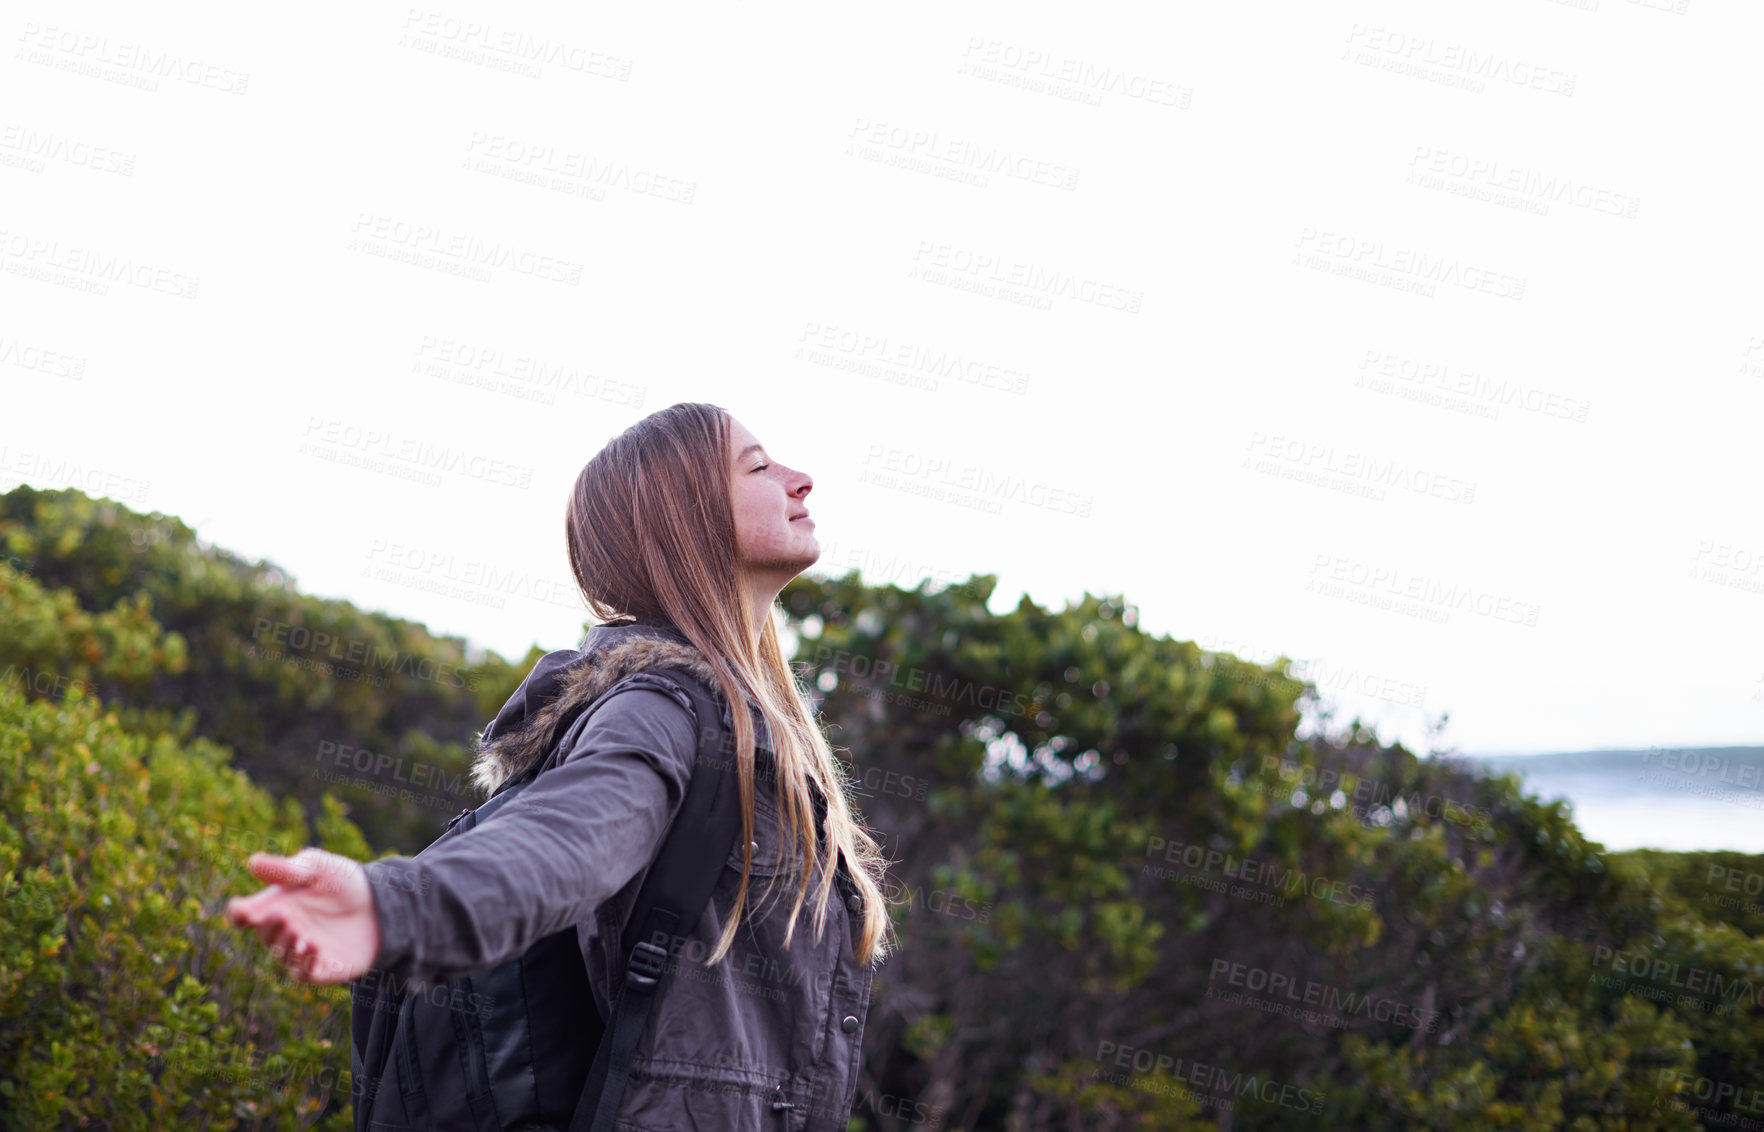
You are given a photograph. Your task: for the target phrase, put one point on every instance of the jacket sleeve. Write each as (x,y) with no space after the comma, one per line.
(572,838)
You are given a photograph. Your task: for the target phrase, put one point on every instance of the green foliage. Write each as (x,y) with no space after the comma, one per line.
(53,644)
(1720,886)
(311,695)
(126,1000)
(1155,834)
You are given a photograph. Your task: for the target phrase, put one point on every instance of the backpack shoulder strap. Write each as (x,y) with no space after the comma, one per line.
(669,904)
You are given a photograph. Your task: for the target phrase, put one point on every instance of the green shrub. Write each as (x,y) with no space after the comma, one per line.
(127,1001)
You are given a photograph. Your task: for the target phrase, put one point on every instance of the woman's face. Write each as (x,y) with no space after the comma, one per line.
(774,539)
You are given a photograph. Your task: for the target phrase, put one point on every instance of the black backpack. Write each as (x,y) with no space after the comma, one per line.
(522,1046)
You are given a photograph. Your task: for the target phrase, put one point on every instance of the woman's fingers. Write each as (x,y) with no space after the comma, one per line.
(315,915)
(280,939)
(294,954)
(274,869)
(246,911)
(322,968)
(314,966)
(265,922)
(274,934)
(289,941)
(294,951)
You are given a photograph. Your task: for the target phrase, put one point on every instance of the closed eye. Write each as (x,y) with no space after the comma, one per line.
(762,467)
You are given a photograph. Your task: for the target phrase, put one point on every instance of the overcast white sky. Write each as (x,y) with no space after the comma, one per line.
(1422,343)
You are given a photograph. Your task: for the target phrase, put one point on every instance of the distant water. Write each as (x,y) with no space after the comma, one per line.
(1658,798)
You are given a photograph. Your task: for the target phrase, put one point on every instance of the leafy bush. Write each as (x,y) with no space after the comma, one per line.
(312,696)
(1152,837)
(126,1000)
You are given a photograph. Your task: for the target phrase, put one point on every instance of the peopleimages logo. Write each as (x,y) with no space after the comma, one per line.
(381,662)
(1423,53)
(1424,268)
(1333,1004)
(1715,1094)
(94,55)
(435,994)
(874,140)
(937,260)
(1367,792)
(383,764)
(1265,874)
(1708,764)
(1000,487)
(1209,1078)
(1669,977)
(88,269)
(946,688)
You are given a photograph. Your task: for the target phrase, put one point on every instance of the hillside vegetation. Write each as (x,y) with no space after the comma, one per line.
(1130,895)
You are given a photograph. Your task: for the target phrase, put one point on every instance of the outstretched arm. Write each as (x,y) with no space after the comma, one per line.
(572,838)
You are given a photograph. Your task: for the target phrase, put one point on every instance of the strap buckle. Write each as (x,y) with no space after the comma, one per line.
(645,964)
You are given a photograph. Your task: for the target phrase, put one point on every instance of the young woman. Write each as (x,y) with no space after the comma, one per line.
(685,530)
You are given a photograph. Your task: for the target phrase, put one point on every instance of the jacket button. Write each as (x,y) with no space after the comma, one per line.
(755,845)
(849,1024)
(854,902)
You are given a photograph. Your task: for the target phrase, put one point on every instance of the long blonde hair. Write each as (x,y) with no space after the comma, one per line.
(651,532)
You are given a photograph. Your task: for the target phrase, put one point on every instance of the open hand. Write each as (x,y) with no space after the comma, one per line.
(317,915)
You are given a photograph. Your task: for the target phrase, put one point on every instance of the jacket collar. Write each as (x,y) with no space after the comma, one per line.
(520,736)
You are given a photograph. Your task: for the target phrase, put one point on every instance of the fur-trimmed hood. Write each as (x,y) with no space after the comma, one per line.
(519,737)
